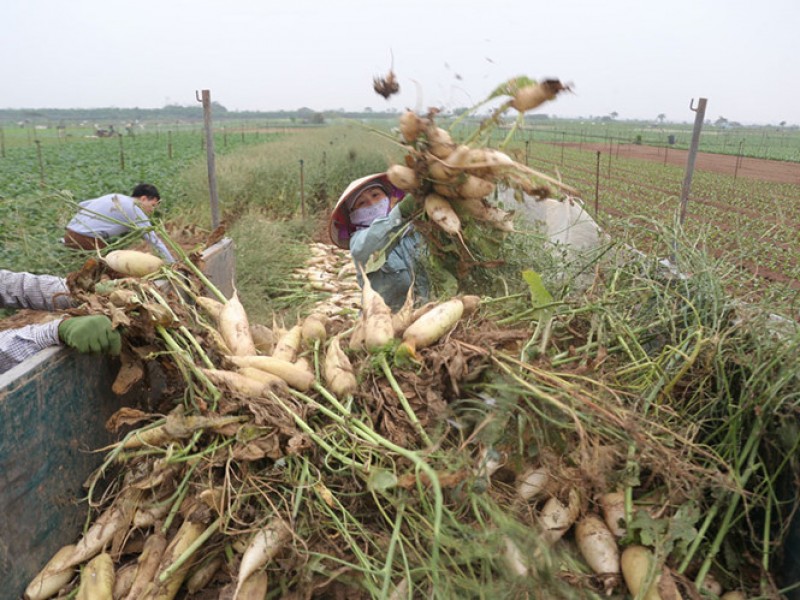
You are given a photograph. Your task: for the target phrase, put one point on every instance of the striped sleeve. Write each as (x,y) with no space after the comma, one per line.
(18,344)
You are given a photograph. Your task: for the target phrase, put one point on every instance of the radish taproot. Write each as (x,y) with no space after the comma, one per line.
(203,574)
(236,382)
(440,144)
(263,547)
(555,518)
(123,580)
(97,579)
(133,263)
(147,564)
(273,382)
(182,542)
(429,328)
(612,506)
(254,587)
(111,522)
(440,212)
(263,338)
(411,125)
(532,483)
(338,371)
(48,581)
(314,328)
(599,548)
(638,567)
(288,345)
(531,96)
(235,328)
(298,378)
(403,178)
(377,317)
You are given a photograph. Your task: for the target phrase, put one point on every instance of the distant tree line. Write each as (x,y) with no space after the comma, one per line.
(178,113)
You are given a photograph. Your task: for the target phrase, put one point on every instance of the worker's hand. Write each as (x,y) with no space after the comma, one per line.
(92,333)
(407,206)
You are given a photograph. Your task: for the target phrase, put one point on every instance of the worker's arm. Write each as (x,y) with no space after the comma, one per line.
(86,334)
(18,344)
(365,242)
(25,290)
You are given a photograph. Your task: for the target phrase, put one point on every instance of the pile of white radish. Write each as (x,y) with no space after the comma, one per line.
(453,181)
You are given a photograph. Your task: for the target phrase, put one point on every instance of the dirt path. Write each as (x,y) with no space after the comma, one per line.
(753,168)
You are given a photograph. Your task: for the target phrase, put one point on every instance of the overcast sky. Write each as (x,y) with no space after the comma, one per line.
(637,58)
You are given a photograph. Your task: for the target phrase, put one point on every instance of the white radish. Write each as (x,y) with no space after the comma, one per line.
(532,483)
(338,371)
(263,338)
(97,579)
(411,125)
(314,328)
(236,382)
(481,210)
(377,317)
(213,308)
(711,586)
(263,547)
(184,539)
(107,525)
(235,328)
(597,545)
(638,565)
(298,378)
(273,382)
(440,143)
(123,580)
(733,595)
(403,178)
(429,328)
(533,95)
(555,518)
(513,558)
(147,564)
(474,187)
(440,211)
(612,505)
(133,263)
(49,581)
(254,587)
(288,344)
(203,574)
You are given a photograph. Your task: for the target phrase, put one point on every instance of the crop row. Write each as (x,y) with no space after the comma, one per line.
(750,225)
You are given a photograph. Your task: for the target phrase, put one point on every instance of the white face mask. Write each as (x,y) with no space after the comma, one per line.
(363,217)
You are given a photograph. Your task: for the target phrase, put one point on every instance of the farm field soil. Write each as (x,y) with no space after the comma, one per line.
(753,168)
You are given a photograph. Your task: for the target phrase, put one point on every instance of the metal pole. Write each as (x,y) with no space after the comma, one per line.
(738,162)
(597,186)
(700,113)
(121,154)
(302,192)
(526,151)
(563,142)
(212,175)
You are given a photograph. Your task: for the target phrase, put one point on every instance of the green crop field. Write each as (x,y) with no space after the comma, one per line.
(748,226)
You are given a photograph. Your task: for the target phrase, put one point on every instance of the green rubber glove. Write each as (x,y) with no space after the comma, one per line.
(407,206)
(92,333)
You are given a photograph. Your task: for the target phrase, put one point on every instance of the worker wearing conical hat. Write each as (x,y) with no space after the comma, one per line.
(371,218)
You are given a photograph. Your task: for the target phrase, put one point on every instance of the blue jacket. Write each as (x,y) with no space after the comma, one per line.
(393,277)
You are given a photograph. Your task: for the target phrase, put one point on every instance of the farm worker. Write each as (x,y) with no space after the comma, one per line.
(91,333)
(371,218)
(111,215)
